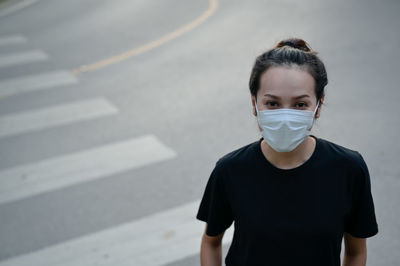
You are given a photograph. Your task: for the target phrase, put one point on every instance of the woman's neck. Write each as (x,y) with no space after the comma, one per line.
(292,159)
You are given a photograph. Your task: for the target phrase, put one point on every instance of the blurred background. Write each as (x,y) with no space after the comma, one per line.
(113,114)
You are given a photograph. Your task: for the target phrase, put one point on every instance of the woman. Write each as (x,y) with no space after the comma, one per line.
(293,196)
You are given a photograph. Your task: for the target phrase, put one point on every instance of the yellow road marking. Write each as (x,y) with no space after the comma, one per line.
(212,7)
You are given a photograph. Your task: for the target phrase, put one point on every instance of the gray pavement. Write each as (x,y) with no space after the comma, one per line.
(190,94)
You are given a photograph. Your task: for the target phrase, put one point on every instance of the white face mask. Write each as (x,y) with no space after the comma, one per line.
(284,129)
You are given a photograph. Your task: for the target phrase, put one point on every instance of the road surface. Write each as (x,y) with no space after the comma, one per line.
(113,114)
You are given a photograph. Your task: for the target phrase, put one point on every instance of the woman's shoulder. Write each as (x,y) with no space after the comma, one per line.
(338,152)
(240,155)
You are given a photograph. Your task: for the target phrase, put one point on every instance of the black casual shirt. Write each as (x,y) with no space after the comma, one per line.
(289,217)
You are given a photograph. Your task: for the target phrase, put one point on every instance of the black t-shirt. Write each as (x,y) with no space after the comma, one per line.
(289,217)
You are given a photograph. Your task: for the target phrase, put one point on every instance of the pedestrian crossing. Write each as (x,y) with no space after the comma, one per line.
(35,82)
(25,57)
(66,170)
(12,39)
(155,240)
(62,114)
(158,239)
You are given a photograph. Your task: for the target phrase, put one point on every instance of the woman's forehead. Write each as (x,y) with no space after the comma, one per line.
(285,82)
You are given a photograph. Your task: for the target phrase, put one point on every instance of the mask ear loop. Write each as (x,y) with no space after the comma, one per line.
(255,103)
(315,111)
(316,108)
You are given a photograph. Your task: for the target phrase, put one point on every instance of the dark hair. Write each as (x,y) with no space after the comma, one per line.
(292,51)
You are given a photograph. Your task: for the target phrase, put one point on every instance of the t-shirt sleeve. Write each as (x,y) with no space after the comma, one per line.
(214,207)
(361,221)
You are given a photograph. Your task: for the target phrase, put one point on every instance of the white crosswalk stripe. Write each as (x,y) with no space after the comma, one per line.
(155,240)
(36,82)
(22,58)
(62,114)
(50,174)
(12,39)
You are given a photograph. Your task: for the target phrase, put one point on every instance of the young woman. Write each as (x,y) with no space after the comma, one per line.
(293,196)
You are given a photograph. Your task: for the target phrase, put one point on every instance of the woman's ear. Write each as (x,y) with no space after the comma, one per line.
(317,114)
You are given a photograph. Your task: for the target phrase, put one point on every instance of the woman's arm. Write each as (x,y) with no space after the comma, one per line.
(355,253)
(211,250)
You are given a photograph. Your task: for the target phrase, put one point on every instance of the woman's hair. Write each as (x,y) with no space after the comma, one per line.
(288,52)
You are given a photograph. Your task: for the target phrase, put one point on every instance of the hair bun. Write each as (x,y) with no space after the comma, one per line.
(295,43)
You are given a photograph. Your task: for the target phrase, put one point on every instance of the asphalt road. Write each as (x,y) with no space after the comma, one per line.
(187,96)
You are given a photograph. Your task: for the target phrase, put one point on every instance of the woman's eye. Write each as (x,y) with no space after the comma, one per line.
(301,105)
(272,104)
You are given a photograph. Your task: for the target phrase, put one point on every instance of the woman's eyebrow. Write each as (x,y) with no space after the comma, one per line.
(272,96)
(297,97)
(302,96)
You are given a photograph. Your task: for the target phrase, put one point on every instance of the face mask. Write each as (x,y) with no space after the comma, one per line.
(284,129)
